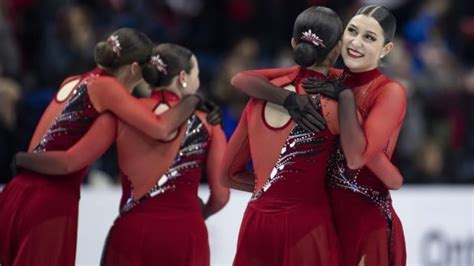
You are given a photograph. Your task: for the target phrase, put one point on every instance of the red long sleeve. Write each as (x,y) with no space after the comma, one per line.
(107,94)
(236,157)
(380,163)
(256,83)
(272,73)
(219,195)
(380,128)
(385,117)
(88,149)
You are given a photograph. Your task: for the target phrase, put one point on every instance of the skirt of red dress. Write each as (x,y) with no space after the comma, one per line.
(365,233)
(38,221)
(158,235)
(298,235)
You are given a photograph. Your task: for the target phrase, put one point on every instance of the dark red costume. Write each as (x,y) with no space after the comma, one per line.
(290,168)
(288,220)
(38,213)
(368,227)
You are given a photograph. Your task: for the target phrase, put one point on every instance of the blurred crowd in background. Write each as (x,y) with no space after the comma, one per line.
(44,41)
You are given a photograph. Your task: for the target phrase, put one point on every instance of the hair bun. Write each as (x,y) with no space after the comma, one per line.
(305,54)
(151,74)
(104,54)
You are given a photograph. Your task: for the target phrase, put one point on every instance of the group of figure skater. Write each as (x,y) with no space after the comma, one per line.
(319,140)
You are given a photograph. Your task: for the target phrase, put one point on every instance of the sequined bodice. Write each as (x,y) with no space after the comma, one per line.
(183,177)
(361,181)
(72,123)
(299,173)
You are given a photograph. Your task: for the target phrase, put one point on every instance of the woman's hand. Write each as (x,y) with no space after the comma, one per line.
(304,110)
(214,113)
(328,88)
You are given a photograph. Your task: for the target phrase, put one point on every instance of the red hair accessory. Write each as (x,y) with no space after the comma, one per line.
(159,64)
(113,41)
(312,38)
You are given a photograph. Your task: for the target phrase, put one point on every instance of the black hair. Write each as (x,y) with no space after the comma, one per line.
(384,17)
(175,57)
(324,23)
(134,45)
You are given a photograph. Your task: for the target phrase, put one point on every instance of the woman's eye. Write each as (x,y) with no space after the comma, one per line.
(370,38)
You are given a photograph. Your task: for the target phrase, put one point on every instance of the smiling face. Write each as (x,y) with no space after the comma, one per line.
(363,44)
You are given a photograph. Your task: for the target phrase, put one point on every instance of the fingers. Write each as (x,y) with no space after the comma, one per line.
(213,111)
(314,82)
(212,105)
(214,117)
(298,118)
(315,87)
(329,93)
(315,119)
(309,122)
(312,87)
(313,79)
(311,90)
(311,116)
(310,84)
(305,124)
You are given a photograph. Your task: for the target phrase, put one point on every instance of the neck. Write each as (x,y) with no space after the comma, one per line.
(321,69)
(174,90)
(362,70)
(121,75)
(130,85)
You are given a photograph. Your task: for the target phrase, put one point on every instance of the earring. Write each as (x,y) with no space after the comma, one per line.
(185,84)
(381,56)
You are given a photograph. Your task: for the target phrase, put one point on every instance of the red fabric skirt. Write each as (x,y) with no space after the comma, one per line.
(153,233)
(299,235)
(365,232)
(38,221)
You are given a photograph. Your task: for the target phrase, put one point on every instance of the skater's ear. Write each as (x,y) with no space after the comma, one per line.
(293,43)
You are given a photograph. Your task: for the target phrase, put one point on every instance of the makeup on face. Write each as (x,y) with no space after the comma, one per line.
(362,43)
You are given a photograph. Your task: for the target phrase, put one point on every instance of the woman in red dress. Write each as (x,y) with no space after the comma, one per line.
(288,220)
(38,213)
(161,219)
(369,230)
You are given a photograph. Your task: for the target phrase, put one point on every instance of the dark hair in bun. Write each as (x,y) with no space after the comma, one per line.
(123,47)
(174,58)
(323,29)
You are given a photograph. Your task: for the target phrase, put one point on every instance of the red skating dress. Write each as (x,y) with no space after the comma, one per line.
(368,227)
(161,222)
(288,220)
(38,213)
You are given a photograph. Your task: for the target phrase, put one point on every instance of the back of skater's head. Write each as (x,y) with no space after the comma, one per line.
(172,65)
(316,32)
(124,46)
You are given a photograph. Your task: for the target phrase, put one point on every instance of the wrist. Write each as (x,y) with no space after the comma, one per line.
(290,101)
(346,94)
(282,96)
